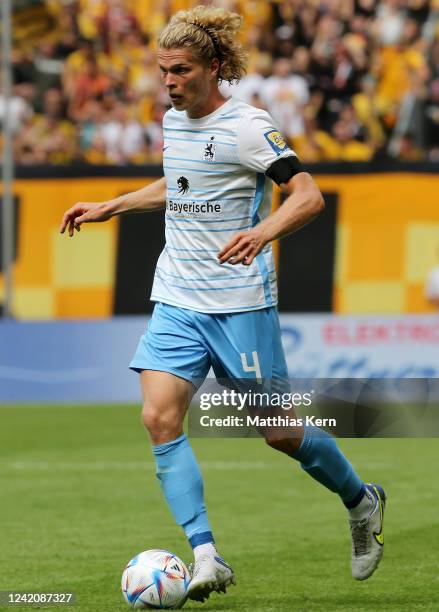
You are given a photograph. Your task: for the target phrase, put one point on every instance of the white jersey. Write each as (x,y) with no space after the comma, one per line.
(216,187)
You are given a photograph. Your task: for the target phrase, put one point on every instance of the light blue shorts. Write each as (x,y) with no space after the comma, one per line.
(236,345)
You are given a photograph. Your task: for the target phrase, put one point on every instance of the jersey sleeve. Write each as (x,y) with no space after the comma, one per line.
(260,143)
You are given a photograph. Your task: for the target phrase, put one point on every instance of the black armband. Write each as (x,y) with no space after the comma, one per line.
(283,169)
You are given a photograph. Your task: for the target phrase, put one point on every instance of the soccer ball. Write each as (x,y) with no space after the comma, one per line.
(155,579)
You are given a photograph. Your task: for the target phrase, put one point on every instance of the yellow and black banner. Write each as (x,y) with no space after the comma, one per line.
(370,251)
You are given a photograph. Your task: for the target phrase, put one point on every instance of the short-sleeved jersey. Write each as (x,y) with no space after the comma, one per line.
(216,187)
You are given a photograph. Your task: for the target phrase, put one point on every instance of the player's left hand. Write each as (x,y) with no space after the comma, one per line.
(243,247)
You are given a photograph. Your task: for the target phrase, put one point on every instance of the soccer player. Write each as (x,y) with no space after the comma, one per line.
(215,285)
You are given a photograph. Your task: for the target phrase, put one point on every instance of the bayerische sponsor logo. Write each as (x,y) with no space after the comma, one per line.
(177,208)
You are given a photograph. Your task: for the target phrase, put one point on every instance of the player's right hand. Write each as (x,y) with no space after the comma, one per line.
(84,212)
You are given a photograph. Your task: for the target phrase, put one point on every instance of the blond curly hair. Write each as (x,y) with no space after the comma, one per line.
(209,32)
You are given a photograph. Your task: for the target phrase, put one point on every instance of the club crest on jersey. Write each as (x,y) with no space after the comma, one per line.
(183,185)
(209,150)
(276,141)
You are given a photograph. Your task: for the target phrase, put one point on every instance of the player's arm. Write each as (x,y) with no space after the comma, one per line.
(262,149)
(149,198)
(302,205)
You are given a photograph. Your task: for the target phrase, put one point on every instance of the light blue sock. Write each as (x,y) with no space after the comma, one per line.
(321,458)
(182,485)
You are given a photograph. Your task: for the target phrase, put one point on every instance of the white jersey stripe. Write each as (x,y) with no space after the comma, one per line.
(189,169)
(223,229)
(222,199)
(211,220)
(192,250)
(215,191)
(227,144)
(208,288)
(207,278)
(221,132)
(201,161)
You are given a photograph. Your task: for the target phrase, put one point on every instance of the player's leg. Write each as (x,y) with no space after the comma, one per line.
(240,335)
(172,362)
(320,457)
(166,398)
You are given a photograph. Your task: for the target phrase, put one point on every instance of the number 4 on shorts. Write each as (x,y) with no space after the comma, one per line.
(255,367)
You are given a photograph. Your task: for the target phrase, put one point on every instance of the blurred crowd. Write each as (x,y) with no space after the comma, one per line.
(345,80)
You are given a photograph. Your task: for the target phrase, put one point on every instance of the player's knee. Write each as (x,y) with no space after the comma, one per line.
(161,422)
(285,445)
(152,419)
(274,442)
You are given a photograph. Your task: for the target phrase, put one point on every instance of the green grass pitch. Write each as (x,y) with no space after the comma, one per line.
(79,498)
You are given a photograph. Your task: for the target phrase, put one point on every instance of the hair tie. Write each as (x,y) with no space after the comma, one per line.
(206,30)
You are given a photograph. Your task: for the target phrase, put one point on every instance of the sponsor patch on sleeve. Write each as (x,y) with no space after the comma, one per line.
(276,141)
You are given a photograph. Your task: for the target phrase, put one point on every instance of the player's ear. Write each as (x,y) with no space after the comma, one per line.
(215,67)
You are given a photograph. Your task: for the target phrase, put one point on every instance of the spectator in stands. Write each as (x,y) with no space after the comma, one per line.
(301,65)
(19,107)
(432,287)
(346,74)
(375,60)
(96,153)
(123,136)
(89,16)
(390,22)
(328,33)
(77,59)
(285,95)
(366,106)
(23,69)
(315,145)
(349,148)
(47,70)
(432,121)
(408,150)
(252,83)
(91,83)
(143,75)
(116,23)
(154,134)
(92,119)
(28,150)
(396,68)
(48,137)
